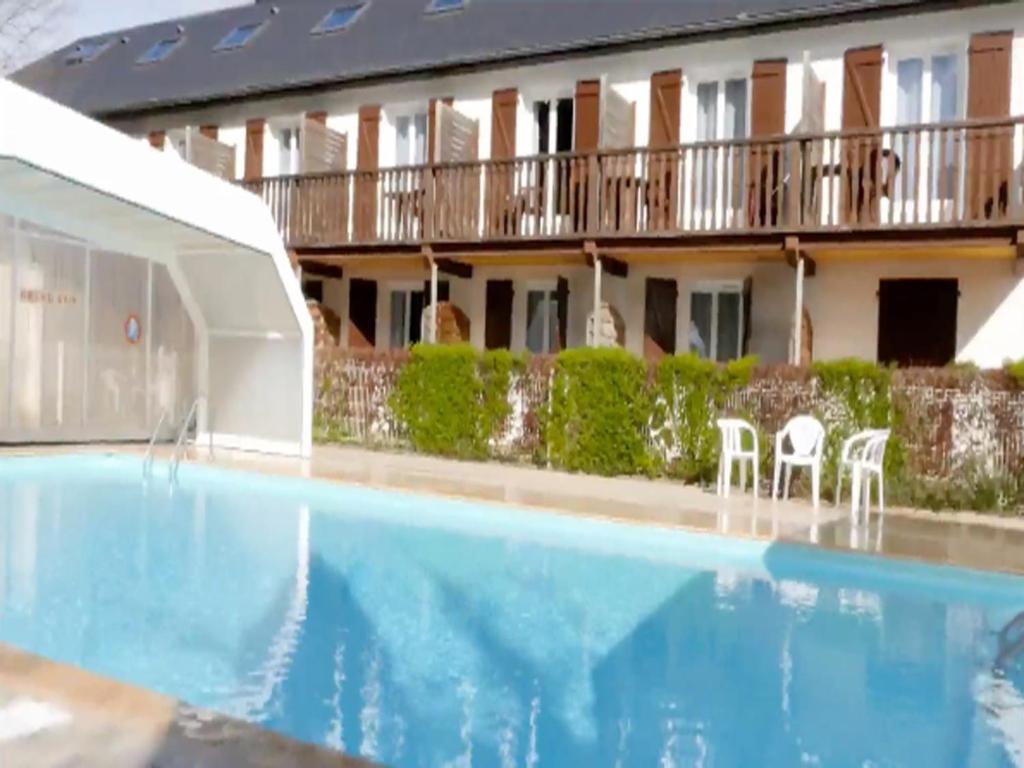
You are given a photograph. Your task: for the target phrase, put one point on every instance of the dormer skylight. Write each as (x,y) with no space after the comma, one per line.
(159,51)
(339,19)
(444,6)
(84,52)
(239,36)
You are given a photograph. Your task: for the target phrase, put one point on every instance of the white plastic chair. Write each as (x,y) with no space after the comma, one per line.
(806,438)
(870,464)
(852,452)
(733,450)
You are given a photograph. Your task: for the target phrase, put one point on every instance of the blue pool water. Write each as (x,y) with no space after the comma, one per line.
(420,632)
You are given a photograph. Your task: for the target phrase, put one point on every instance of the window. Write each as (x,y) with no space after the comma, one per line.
(721,116)
(441,6)
(553,133)
(716,322)
(289,143)
(542,321)
(239,36)
(407,305)
(339,19)
(83,53)
(411,138)
(159,51)
(927,90)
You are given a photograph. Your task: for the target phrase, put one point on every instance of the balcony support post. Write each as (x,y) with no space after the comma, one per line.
(595,340)
(433,301)
(1018,263)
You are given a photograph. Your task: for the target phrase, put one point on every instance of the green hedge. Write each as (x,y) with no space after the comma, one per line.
(451,400)
(610,413)
(600,405)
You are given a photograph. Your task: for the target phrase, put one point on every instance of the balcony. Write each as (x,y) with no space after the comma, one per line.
(938,177)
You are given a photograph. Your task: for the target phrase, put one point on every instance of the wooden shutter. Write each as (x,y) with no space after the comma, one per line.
(768,98)
(767,119)
(501,212)
(498,324)
(157,139)
(362,314)
(861,158)
(432,127)
(317,117)
(588,116)
(663,134)
(562,297)
(660,307)
(862,88)
(254,149)
(209,131)
(504,105)
(989,150)
(367,164)
(666,90)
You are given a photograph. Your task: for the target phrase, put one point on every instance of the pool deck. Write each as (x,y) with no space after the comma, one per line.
(54,715)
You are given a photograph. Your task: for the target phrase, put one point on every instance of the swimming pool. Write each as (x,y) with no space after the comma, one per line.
(421,632)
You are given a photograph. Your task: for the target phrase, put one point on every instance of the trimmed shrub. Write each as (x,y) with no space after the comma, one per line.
(440,401)
(599,413)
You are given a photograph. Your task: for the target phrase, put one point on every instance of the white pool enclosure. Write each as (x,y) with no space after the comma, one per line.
(133,285)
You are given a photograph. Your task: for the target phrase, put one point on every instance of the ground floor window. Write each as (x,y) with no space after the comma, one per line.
(917,322)
(542,321)
(313,290)
(717,321)
(407,305)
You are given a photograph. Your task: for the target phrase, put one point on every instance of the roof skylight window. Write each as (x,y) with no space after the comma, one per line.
(339,18)
(87,51)
(159,51)
(239,36)
(443,6)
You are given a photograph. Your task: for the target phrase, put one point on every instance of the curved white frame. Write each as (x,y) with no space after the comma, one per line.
(62,170)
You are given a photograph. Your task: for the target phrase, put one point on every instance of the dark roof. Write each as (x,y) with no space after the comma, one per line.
(390,37)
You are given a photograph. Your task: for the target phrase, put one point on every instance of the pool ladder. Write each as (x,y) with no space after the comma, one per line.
(179,444)
(147,460)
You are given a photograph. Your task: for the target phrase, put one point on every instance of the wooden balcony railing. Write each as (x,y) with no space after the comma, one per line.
(965,174)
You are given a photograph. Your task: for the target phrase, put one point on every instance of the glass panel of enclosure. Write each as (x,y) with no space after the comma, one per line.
(93,344)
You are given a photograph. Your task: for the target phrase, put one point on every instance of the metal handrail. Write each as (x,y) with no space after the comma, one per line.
(183,432)
(1011,641)
(147,460)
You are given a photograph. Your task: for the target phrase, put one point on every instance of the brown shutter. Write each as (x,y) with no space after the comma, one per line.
(501,214)
(989,150)
(663,134)
(157,139)
(660,307)
(861,157)
(588,115)
(498,324)
(209,131)
(362,314)
(254,149)
(504,105)
(367,164)
(862,88)
(317,117)
(432,126)
(767,119)
(666,89)
(562,297)
(768,98)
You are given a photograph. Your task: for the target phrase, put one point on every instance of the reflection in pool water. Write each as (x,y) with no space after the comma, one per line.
(419,632)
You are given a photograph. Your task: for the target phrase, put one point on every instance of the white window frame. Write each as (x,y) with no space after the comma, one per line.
(549,288)
(718,213)
(935,209)
(716,288)
(288,135)
(551,96)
